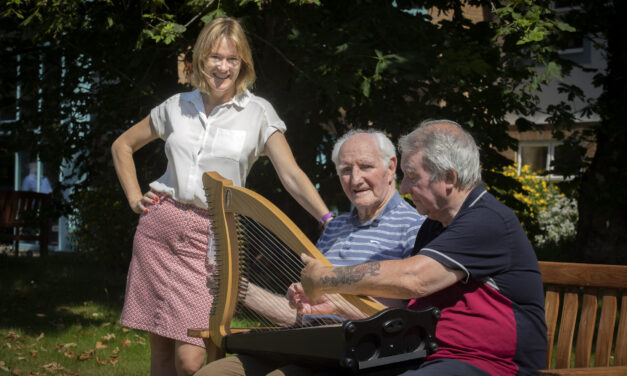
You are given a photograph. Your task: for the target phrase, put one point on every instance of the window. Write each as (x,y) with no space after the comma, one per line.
(569,42)
(540,156)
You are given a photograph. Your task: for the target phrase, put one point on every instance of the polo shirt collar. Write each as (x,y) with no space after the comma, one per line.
(394,201)
(195,98)
(473,196)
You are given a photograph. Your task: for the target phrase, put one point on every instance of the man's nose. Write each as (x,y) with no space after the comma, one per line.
(356,175)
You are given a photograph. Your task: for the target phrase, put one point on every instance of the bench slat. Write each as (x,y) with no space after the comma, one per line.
(592,275)
(585,332)
(620,352)
(597,371)
(551,308)
(605,335)
(566,334)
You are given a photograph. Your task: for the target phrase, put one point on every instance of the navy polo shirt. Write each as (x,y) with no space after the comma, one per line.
(493,318)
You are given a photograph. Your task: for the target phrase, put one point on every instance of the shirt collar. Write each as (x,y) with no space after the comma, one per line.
(195,98)
(392,203)
(473,196)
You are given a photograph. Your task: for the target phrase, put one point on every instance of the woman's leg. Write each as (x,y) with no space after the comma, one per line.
(161,356)
(188,358)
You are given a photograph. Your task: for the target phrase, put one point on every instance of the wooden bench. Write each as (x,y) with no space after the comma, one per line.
(20,210)
(581,304)
(586,308)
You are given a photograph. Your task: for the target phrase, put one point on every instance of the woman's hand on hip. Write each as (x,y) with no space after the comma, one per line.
(141,205)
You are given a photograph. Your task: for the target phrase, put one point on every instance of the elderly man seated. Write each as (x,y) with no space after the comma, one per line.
(472,260)
(381,226)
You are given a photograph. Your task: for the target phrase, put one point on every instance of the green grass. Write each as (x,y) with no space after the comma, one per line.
(59,316)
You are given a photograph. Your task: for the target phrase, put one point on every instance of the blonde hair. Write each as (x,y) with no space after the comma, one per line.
(208,39)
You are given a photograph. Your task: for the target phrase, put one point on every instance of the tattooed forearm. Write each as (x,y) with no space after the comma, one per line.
(350,274)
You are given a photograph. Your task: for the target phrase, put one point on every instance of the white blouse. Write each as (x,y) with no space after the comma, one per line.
(229,140)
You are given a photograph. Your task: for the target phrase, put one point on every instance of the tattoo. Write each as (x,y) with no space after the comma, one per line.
(351,274)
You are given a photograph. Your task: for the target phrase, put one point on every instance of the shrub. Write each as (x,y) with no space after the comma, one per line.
(548,216)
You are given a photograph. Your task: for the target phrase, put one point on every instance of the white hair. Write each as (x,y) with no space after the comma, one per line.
(445,146)
(387,151)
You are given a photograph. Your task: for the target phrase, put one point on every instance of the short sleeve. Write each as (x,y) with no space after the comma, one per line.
(271,123)
(475,243)
(158,119)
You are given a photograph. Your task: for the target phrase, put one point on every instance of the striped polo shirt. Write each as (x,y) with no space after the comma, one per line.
(389,236)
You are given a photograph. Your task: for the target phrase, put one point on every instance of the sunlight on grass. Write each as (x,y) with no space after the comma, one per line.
(92,345)
(60,317)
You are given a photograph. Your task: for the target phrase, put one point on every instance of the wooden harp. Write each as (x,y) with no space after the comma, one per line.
(262,259)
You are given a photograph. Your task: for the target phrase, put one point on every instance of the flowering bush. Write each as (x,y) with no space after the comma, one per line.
(548,216)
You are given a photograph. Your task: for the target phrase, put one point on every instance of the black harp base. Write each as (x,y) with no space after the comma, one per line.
(390,337)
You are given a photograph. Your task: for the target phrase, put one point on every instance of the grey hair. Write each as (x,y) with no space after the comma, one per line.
(445,146)
(386,148)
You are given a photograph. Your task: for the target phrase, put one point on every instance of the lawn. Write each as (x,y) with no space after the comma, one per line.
(59,316)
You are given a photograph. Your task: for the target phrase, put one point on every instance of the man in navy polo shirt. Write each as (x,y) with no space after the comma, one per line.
(471,259)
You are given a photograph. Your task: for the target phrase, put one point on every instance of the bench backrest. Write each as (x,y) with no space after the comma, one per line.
(572,296)
(18,207)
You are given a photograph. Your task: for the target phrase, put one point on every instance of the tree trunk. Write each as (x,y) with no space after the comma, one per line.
(602,233)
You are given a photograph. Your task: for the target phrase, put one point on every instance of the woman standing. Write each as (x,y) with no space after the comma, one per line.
(221,127)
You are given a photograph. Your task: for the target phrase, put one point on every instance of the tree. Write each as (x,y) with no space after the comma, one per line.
(326,66)
(603,198)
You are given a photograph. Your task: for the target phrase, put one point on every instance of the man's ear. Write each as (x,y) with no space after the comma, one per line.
(450,177)
(392,169)
(392,164)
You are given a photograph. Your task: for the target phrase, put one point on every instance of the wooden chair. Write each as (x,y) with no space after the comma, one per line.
(20,210)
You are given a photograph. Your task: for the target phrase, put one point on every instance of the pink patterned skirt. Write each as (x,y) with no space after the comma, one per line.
(166,289)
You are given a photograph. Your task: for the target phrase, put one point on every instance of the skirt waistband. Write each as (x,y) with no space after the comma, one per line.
(181,205)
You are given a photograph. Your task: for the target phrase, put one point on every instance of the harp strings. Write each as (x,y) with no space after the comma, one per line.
(269,267)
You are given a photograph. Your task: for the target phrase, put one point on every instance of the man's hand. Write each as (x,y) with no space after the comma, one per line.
(299,300)
(310,277)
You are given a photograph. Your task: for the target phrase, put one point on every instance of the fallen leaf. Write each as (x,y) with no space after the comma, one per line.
(40,337)
(125,342)
(140,340)
(86,355)
(113,359)
(16,372)
(105,324)
(96,314)
(108,337)
(40,314)
(53,367)
(100,346)
(69,354)
(12,335)
(101,362)
(33,353)
(125,330)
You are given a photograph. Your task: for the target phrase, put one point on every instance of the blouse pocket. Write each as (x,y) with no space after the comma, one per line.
(228,143)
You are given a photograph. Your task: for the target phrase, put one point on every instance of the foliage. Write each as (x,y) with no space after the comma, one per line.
(327,67)
(532,22)
(548,216)
(58,316)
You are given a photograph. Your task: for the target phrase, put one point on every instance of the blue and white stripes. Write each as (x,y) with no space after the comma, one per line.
(390,236)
